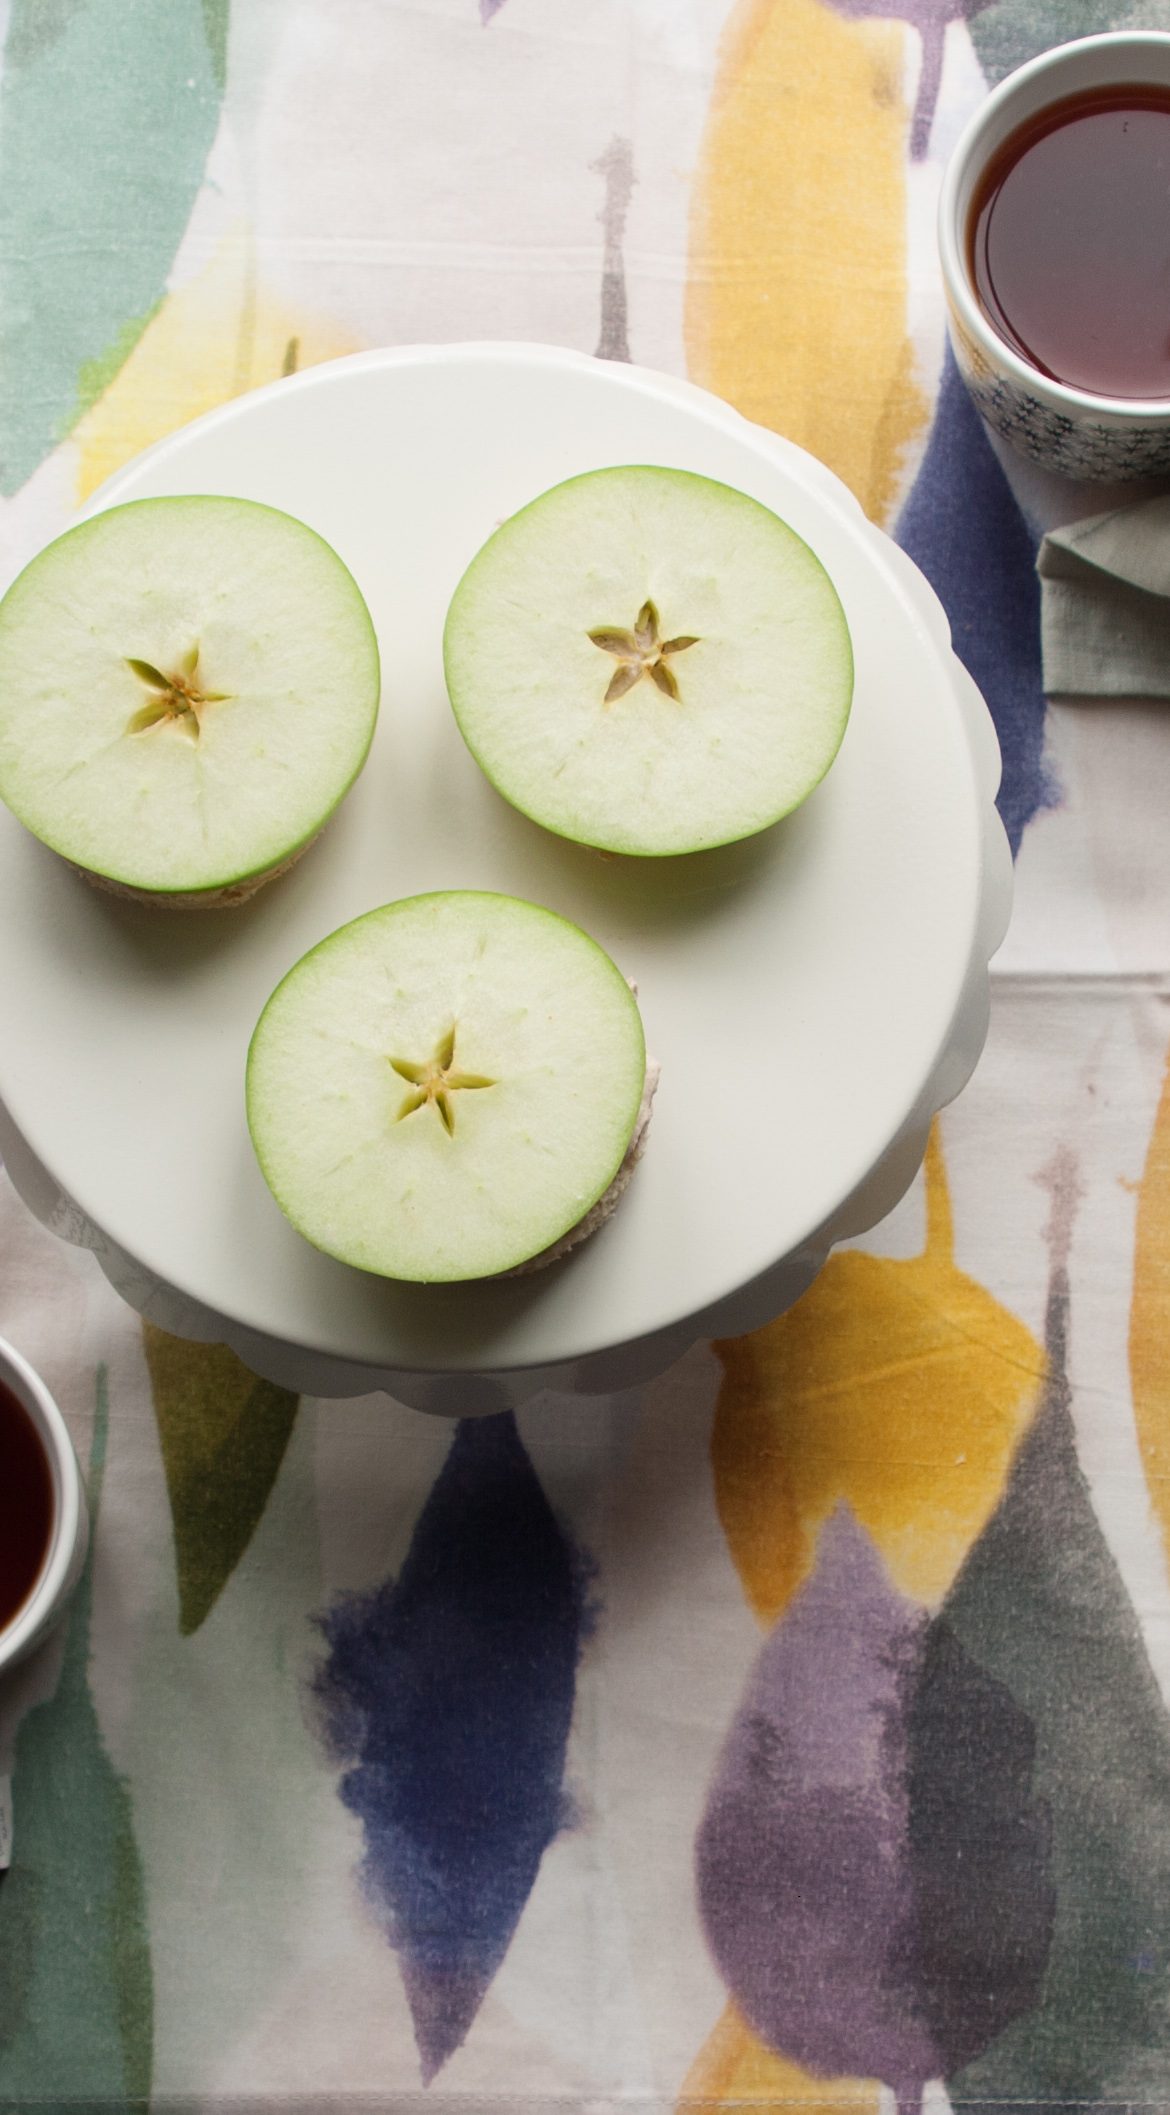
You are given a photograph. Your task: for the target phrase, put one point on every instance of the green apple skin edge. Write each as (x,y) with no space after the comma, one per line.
(650,662)
(188,687)
(446,1087)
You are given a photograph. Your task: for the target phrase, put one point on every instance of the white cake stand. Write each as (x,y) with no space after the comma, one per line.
(814,995)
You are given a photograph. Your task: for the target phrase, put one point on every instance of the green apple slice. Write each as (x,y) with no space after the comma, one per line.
(650,662)
(445,1087)
(188,687)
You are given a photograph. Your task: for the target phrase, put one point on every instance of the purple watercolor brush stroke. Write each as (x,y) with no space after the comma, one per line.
(801,1853)
(448,1694)
(873,1867)
(930,19)
(963,528)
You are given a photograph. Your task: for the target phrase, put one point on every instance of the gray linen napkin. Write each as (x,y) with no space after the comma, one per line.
(1105,604)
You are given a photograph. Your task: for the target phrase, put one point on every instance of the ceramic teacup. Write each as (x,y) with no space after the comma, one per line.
(1069,431)
(68,1541)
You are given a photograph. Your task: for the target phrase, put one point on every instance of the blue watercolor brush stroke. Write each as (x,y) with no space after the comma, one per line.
(962,526)
(449,1692)
(108,112)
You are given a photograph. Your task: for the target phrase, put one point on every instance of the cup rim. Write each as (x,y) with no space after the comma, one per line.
(952,239)
(54,1576)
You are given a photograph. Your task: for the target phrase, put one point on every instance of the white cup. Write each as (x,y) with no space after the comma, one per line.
(1070,431)
(64,1558)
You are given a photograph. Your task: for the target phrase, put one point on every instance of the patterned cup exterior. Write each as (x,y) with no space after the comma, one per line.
(70,1541)
(1064,430)
(1074,441)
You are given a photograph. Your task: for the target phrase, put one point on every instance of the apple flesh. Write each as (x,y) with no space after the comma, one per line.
(610,1198)
(188,687)
(649,661)
(446,1087)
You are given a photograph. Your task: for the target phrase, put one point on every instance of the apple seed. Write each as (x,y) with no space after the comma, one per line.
(434,1082)
(172,698)
(639,653)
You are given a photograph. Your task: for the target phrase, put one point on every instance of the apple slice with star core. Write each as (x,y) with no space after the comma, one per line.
(447,1087)
(188,687)
(649,661)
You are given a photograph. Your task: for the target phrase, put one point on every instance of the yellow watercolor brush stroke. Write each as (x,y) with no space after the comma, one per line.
(796,305)
(211,340)
(900,1386)
(1149,1316)
(735,2069)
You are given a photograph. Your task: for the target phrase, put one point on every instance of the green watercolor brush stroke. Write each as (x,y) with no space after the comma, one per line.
(223,1435)
(108,109)
(76,1991)
(216,19)
(1041,1606)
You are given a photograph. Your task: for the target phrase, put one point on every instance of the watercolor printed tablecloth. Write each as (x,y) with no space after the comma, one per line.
(794,1730)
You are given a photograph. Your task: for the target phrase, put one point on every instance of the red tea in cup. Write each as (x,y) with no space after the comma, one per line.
(1069,241)
(26,1506)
